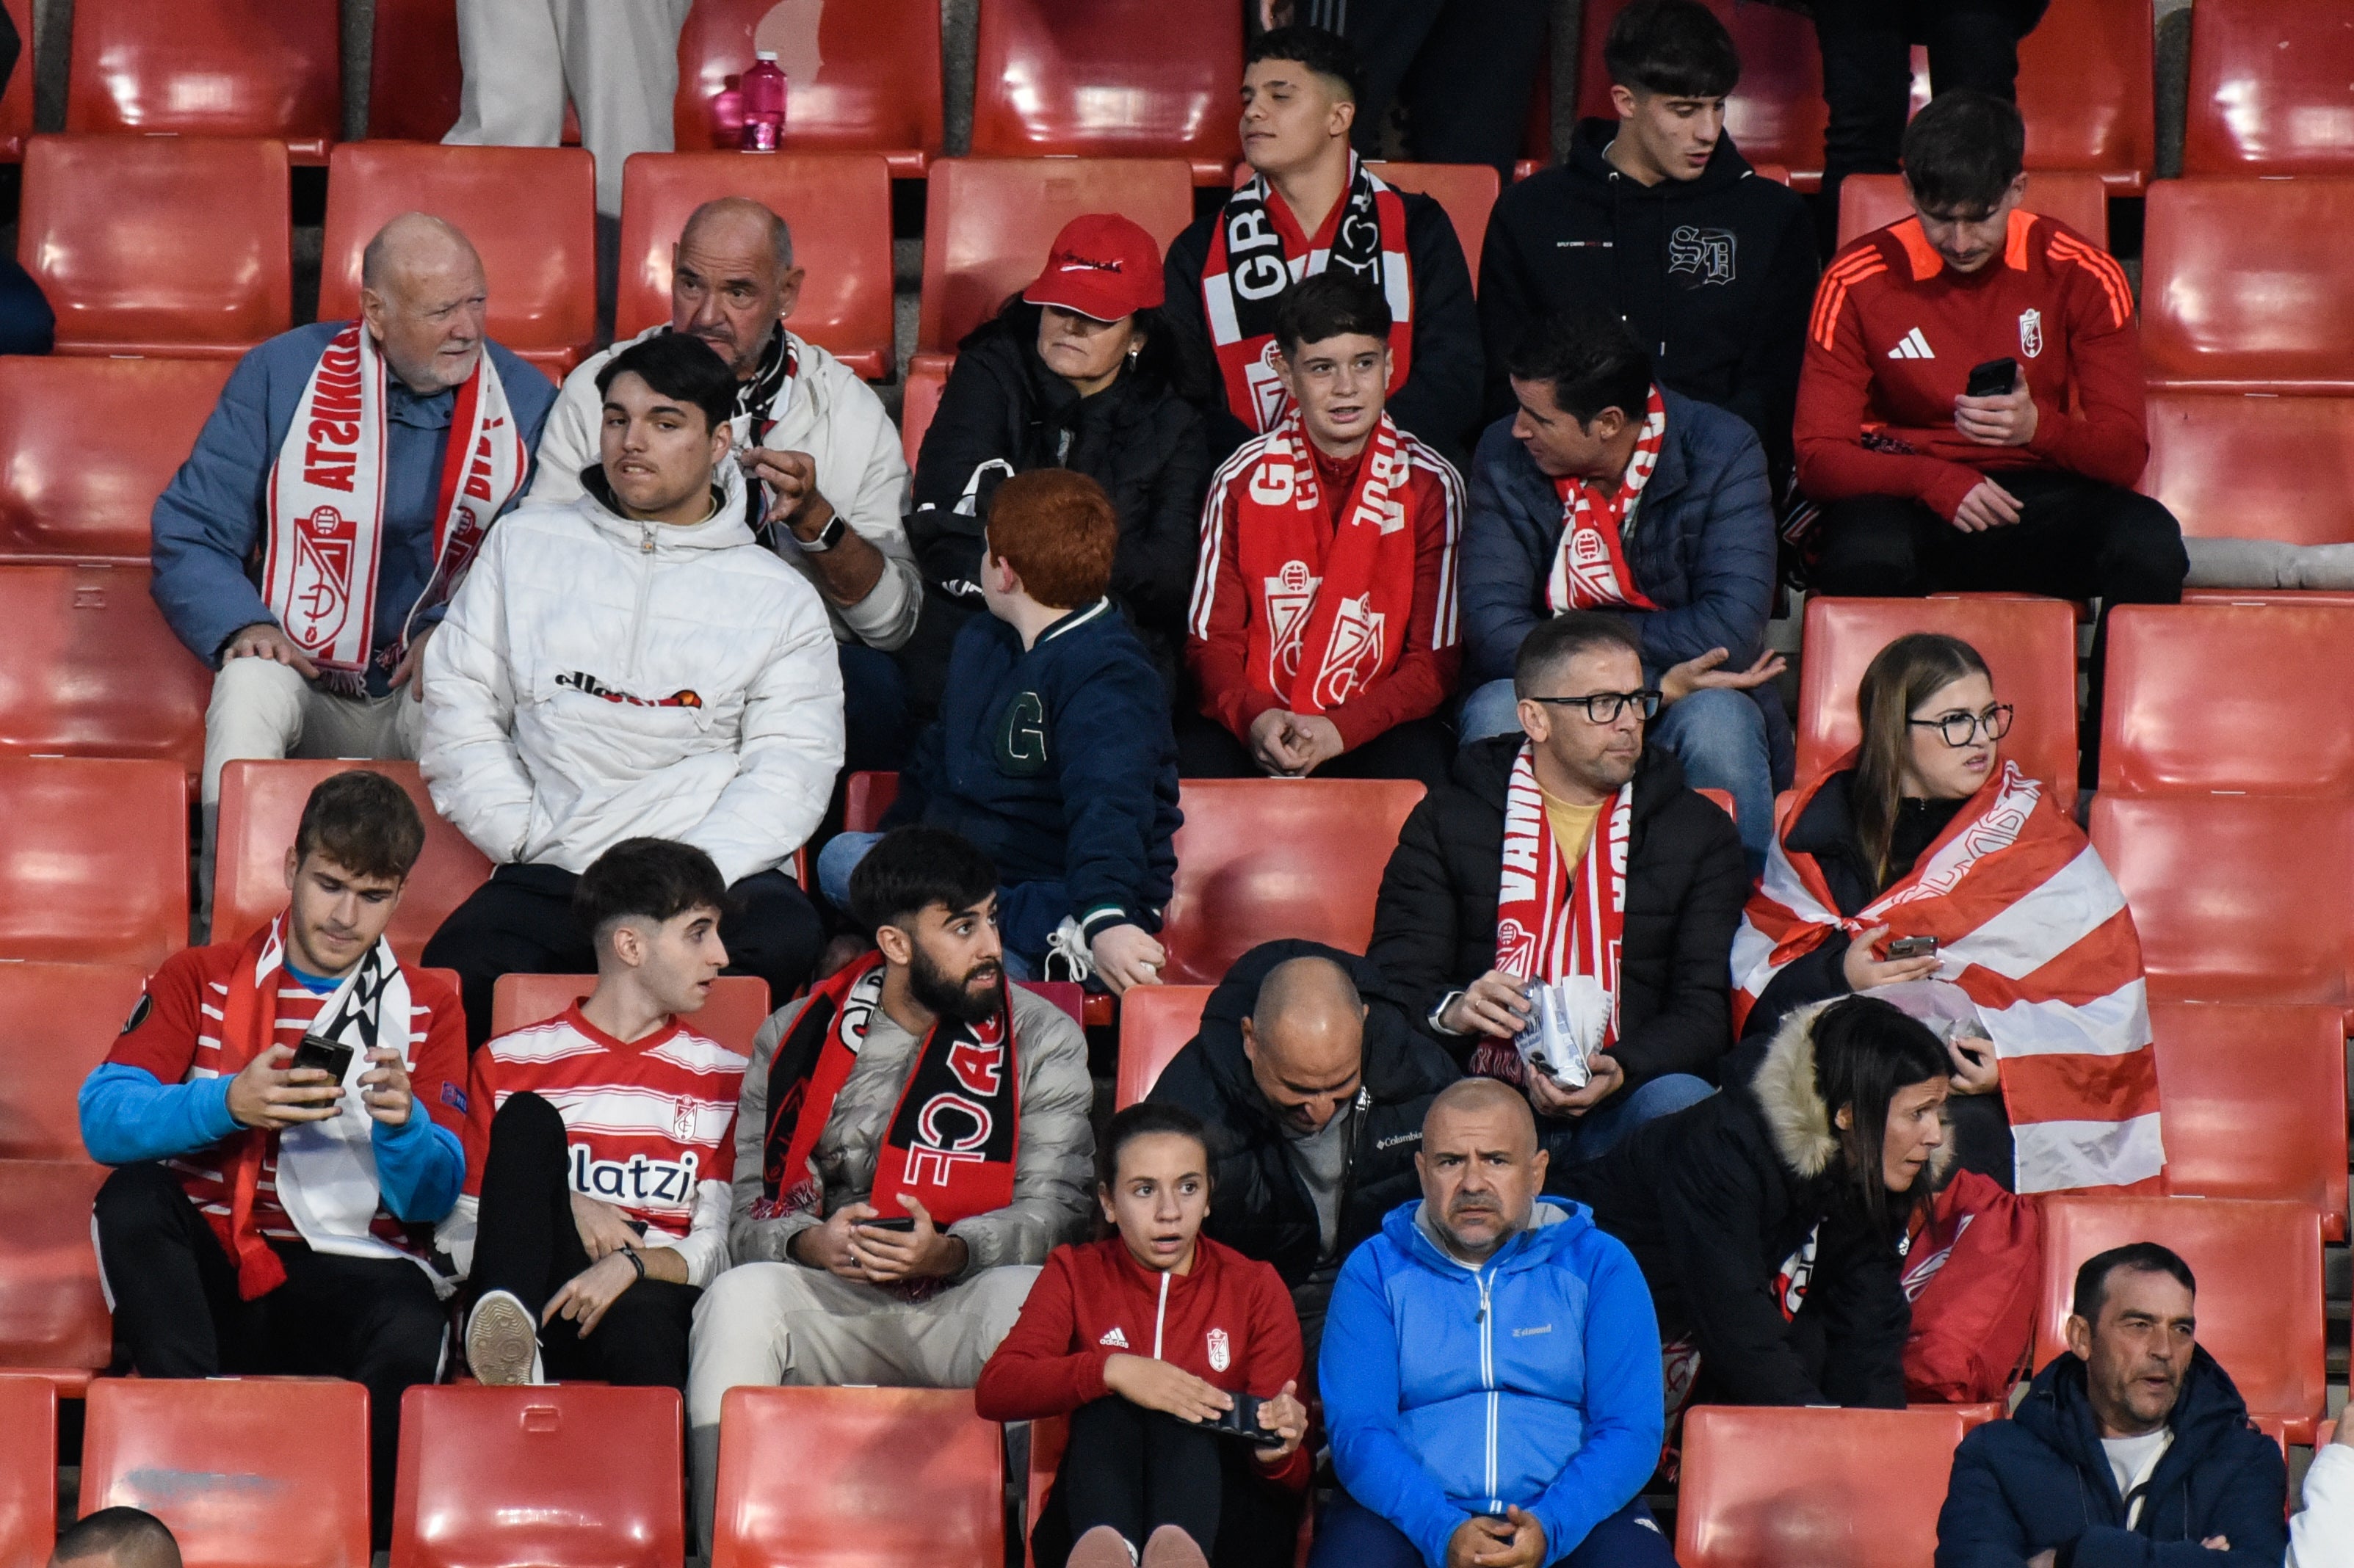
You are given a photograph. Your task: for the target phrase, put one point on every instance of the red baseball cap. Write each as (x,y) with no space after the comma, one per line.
(1103,266)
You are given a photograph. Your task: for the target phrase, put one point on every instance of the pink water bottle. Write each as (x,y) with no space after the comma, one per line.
(764,104)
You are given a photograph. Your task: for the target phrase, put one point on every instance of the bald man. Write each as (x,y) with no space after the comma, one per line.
(1490,1368)
(1314,1089)
(335,460)
(116,1538)
(826,478)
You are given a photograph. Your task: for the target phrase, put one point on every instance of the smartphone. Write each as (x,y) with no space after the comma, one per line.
(328,1055)
(1912,947)
(1993,378)
(902,1223)
(1241,1423)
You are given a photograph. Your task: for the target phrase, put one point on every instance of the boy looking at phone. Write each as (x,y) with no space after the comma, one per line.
(266,1214)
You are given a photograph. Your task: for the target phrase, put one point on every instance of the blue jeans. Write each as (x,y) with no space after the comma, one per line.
(1027,912)
(1350,1535)
(1595,1134)
(1719,735)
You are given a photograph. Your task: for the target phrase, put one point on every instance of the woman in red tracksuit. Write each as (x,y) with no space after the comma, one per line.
(1139,1337)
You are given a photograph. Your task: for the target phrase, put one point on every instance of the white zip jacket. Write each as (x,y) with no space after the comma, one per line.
(598,679)
(860,468)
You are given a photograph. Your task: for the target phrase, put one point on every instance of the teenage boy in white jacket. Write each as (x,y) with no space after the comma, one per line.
(633,665)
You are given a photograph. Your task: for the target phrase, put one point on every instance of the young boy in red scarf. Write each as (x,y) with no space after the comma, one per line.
(1322,633)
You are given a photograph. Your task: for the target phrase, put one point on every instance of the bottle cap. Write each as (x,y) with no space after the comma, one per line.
(768,55)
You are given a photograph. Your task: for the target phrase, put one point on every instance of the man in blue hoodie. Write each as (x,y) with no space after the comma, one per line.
(1491,1369)
(2132,1450)
(1053,751)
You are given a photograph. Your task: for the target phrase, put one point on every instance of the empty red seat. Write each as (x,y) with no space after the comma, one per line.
(57,1023)
(247,1472)
(2224,1069)
(1813,1488)
(530,211)
(865,798)
(261,805)
(2269,88)
(738,1006)
(1466,190)
(94,670)
(53,1316)
(414,73)
(2220,696)
(16,100)
(2079,199)
(987,223)
(209,68)
(2254,465)
(166,245)
(927,379)
(1155,1022)
(569,1475)
(2237,898)
(822,1478)
(29,1469)
(94,862)
(838,206)
(2258,1271)
(1775,114)
(2029,645)
(2084,77)
(86,445)
(1134,78)
(864,75)
(2244,284)
(1262,858)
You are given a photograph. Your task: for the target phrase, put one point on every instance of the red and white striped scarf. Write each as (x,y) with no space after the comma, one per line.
(2032,927)
(1552,920)
(1589,570)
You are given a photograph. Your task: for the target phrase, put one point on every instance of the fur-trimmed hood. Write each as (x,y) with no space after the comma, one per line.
(1791,1101)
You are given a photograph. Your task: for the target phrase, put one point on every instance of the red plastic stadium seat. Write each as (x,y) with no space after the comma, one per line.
(739,1005)
(865,798)
(1775,114)
(86,445)
(822,1478)
(1262,858)
(838,206)
(57,1023)
(1466,190)
(2258,1271)
(1813,1488)
(530,211)
(414,73)
(1155,1022)
(2078,199)
(1049,1437)
(260,804)
(53,1316)
(29,1469)
(209,68)
(93,866)
(1722,799)
(2246,284)
(249,1472)
(2236,897)
(2084,77)
(176,246)
(2224,1069)
(920,400)
(1136,79)
(987,223)
(2030,644)
(864,75)
(2252,465)
(571,1476)
(2269,88)
(2220,696)
(16,104)
(94,670)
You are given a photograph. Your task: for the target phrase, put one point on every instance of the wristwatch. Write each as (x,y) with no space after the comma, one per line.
(828,536)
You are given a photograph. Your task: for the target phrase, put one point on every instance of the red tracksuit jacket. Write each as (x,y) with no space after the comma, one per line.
(1230,1322)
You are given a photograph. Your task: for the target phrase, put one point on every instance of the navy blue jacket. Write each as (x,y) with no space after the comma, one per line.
(1058,762)
(2041,1481)
(1701,548)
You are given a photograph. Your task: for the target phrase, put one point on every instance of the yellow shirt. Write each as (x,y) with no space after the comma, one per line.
(1572,826)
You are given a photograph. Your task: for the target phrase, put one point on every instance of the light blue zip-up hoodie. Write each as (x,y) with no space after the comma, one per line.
(1532,1381)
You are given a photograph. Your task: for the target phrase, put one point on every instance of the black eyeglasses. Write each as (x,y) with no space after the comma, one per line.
(1604,707)
(1960,729)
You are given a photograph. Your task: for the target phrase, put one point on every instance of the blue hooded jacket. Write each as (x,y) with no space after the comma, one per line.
(1530,1382)
(2041,1481)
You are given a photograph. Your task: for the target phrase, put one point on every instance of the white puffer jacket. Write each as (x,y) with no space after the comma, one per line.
(598,679)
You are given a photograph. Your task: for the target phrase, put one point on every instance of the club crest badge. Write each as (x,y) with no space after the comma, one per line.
(1291,595)
(1221,1351)
(2031,331)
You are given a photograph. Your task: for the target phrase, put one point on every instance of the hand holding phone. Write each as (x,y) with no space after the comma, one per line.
(1993,378)
(265,1094)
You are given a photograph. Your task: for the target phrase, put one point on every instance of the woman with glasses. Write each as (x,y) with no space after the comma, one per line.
(1925,868)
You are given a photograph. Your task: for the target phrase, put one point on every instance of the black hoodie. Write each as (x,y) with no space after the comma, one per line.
(1715,275)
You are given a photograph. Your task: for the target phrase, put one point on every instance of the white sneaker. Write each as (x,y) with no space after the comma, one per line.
(502,1342)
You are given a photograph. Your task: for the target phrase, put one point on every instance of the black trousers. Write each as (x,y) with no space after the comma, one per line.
(1462,69)
(178,1313)
(2075,538)
(1421,748)
(521,922)
(526,1243)
(1137,1469)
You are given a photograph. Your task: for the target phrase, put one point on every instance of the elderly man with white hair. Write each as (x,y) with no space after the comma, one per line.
(332,501)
